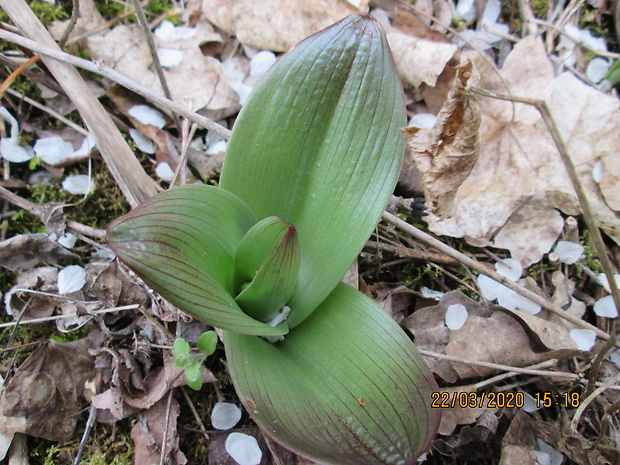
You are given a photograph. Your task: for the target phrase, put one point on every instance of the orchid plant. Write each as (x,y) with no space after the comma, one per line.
(312,161)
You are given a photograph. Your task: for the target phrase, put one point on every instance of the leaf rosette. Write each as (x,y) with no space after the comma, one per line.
(312,161)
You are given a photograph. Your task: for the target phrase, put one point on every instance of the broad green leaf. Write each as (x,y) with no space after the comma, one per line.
(318,144)
(347,386)
(268,261)
(181,242)
(207,342)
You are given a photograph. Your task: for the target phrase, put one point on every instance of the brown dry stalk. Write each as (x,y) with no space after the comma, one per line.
(133,181)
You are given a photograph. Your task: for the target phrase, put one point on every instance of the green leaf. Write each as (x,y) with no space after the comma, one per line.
(207,342)
(193,376)
(267,260)
(181,242)
(346,386)
(180,352)
(318,144)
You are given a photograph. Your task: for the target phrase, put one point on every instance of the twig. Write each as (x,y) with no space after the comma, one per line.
(71,315)
(133,181)
(501,367)
(201,425)
(164,446)
(107,72)
(75,13)
(588,400)
(49,111)
(144,24)
(496,379)
(474,264)
(92,416)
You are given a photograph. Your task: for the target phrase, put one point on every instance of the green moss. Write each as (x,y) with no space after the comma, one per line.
(591,261)
(540,8)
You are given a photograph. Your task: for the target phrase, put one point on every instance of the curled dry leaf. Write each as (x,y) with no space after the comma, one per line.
(453,416)
(512,196)
(25,251)
(446,154)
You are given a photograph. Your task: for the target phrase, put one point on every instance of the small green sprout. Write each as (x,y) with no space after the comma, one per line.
(184,358)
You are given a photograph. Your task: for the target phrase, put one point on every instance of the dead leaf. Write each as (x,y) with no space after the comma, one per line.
(472,443)
(276,25)
(47,388)
(451,417)
(148,435)
(430,332)
(511,197)
(446,154)
(124,49)
(25,251)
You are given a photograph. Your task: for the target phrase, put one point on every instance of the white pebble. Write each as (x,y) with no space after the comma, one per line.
(597,69)
(423,120)
(605,307)
(169,57)
(147,115)
(164,171)
(53,150)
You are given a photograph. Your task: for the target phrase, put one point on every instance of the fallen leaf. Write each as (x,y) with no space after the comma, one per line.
(276,25)
(510,199)
(451,417)
(148,435)
(47,388)
(477,443)
(446,154)
(25,251)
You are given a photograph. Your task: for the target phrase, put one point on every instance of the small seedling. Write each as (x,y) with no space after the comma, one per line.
(185,358)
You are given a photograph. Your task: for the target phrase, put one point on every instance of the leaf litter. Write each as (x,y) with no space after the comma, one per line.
(493,178)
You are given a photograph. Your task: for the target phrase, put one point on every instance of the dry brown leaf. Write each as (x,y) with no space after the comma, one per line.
(511,198)
(25,251)
(446,154)
(276,25)
(477,443)
(451,417)
(125,50)
(498,339)
(148,435)
(47,388)
(429,329)
(519,441)
(546,334)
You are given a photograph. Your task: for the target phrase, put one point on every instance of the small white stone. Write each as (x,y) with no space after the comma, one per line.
(15,153)
(168,32)
(456,316)
(164,171)
(147,115)
(585,338)
(71,279)
(225,416)
(513,301)
(569,252)
(605,307)
(489,288)
(79,184)
(244,449)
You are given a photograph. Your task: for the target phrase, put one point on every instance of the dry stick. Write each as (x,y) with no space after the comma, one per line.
(588,400)
(117,77)
(92,416)
(476,265)
(153,50)
(162,457)
(49,111)
(72,315)
(133,181)
(201,425)
(496,379)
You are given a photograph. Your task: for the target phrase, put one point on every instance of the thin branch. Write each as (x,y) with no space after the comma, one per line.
(480,268)
(92,416)
(71,315)
(201,425)
(164,446)
(120,79)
